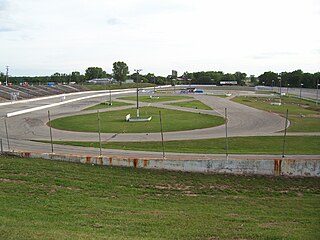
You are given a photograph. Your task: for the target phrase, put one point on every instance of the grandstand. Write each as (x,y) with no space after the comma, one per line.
(26,92)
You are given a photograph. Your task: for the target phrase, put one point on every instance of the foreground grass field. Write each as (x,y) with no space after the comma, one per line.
(42,199)
(114,121)
(303,115)
(237,145)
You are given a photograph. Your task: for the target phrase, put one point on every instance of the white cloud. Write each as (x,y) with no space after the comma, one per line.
(252,36)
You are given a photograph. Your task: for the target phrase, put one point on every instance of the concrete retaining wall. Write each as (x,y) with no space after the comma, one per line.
(275,167)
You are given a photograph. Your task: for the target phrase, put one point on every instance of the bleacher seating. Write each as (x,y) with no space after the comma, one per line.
(26,92)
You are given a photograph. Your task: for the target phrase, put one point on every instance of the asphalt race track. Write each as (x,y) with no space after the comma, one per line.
(23,127)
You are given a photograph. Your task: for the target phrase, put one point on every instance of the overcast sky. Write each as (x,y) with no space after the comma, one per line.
(40,37)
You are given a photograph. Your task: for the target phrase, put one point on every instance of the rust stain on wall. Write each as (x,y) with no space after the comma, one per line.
(145,163)
(88,159)
(110,160)
(277,167)
(135,162)
(27,154)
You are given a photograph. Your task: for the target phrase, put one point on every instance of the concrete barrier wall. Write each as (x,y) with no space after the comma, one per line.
(276,167)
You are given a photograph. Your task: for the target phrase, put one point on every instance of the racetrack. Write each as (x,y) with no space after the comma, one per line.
(242,121)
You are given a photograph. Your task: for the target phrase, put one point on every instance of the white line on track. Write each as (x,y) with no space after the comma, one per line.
(64,102)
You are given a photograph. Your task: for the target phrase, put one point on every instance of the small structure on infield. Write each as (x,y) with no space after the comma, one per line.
(129,119)
(154,97)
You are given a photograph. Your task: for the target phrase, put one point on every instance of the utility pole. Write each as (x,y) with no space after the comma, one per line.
(279,78)
(317,92)
(7,75)
(137,71)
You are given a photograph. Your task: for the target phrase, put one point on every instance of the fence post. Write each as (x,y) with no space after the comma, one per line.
(5,124)
(99,129)
(285,134)
(50,131)
(227,143)
(163,153)
(1,146)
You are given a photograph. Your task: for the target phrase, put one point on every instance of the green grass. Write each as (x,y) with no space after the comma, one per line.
(192,104)
(114,121)
(217,95)
(237,145)
(106,105)
(96,87)
(309,122)
(42,199)
(160,99)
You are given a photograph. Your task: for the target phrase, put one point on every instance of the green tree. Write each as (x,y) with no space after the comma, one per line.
(120,71)
(228,77)
(267,77)
(240,77)
(77,77)
(95,72)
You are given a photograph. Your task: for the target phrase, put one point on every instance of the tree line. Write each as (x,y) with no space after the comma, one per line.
(120,73)
(293,79)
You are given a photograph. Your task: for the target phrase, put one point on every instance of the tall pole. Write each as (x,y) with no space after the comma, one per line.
(272,84)
(227,143)
(137,71)
(50,131)
(285,134)
(288,88)
(7,75)
(163,154)
(7,134)
(154,82)
(301,84)
(99,130)
(317,92)
(280,89)
(110,100)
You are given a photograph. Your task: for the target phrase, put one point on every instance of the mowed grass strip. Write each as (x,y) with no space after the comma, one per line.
(106,105)
(237,145)
(44,199)
(303,115)
(114,121)
(155,98)
(196,104)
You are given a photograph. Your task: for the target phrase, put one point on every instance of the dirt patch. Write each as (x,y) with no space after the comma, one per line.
(6,180)
(317,109)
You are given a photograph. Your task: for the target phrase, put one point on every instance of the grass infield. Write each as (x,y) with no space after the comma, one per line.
(192,104)
(304,115)
(155,99)
(106,105)
(237,145)
(96,87)
(114,121)
(43,199)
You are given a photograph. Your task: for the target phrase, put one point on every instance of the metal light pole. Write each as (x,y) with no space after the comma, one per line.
(7,71)
(301,84)
(154,82)
(137,71)
(272,84)
(279,78)
(317,91)
(288,88)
